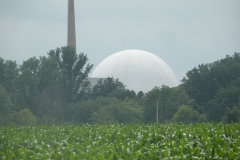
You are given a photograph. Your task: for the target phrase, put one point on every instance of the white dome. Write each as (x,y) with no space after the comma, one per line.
(138,70)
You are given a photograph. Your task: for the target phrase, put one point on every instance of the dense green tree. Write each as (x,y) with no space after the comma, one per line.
(103,116)
(5,101)
(54,89)
(5,105)
(8,73)
(232,115)
(215,86)
(81,112)
(27,83)
(169,100)
(126,111)
(226,97)
(49,105)
(74,70)
(59,78)
(106,86)
(203,83)
(105,110)
(140,95)
(23,117)
(2,69)
(185,114)
(123,94)
(202,118)
(218,106)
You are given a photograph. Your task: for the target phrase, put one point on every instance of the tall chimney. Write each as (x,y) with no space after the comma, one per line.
(71,40)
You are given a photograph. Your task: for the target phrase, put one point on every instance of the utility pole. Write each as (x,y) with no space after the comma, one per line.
(157,113)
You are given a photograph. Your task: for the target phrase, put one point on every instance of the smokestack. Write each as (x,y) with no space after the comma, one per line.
(71,40)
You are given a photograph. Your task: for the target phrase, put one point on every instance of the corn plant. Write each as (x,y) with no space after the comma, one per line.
(119,141)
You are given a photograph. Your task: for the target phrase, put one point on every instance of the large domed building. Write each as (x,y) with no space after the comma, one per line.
(138,70)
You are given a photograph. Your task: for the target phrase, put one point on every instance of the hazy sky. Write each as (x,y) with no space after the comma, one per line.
(184,33)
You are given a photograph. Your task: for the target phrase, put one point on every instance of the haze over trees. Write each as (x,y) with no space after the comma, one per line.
(53,89)
(215,87)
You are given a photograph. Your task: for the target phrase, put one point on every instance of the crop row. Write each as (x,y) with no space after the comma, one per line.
(118,141)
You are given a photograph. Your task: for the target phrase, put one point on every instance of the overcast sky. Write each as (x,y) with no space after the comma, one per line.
(184,33)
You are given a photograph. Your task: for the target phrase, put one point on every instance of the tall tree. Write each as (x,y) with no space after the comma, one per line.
(202,83)
(9,72)
(215,86)
(169,100)
(5,105)
(27,82)
(74,70)
(226,97)
(59,78)
(185,114)
(123,94)
(232,115)
(106,86)
(81,112)
(122,111)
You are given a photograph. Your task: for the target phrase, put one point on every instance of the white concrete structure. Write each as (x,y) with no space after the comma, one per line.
(138,70)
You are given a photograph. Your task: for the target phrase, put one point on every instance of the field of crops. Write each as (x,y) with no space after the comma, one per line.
(172,141)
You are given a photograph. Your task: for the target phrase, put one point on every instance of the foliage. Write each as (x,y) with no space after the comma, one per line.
(140,95)
(46,85)
(104,115)
(202,118)
(81,112)
(8,74)
(106,110)
(185,114)
(203,82)
(215,86)
(50,106)
(5,101)
(226,97)
(54,88)
(126,111)
(74,70)
(5,105)
(27,84)
(123,94)
(232,115)
(169,100)
(23,117)
(106,86)
(118,141)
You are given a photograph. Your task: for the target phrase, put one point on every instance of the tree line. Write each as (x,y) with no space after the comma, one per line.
(54,89)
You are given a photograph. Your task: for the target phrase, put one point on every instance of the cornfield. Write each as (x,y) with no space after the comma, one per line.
(121,141)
